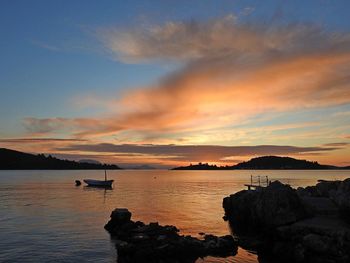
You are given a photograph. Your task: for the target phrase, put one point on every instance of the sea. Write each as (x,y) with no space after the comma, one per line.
(44,217)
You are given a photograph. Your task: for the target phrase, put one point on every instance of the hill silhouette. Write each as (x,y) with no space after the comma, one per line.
(276,162)
(140,167)
(199,166)
(264,163)
(15,160)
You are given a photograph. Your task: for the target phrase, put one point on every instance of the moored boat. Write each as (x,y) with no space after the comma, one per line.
(99,183)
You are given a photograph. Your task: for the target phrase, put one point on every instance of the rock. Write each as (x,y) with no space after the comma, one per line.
(299,253)
(119,217)
(240,210)
(344,209)
(138,242)
(337,191)
(315,243)
(341,196)
(323,188)
(140,237)
(303,192)
(225,243)
(161,237)
(311,190)
(279,205)
(344,186)
(273,206)
(319,206)
(121,243)
(305,225)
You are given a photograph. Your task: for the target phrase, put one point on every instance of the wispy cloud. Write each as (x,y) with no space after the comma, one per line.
(38,144)
(39,127)
(38,140)
(231,72)
(44,45)
(217,38)
(336,144)
(193,153)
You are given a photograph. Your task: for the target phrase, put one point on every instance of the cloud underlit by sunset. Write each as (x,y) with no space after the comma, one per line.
(187,87)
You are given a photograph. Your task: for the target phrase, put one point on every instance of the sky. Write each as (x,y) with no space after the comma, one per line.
(169,83)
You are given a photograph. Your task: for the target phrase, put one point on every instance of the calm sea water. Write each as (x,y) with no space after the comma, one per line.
(44,217)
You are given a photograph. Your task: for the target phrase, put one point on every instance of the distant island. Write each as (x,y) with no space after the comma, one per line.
(15,160)
(265,163)
(140,167)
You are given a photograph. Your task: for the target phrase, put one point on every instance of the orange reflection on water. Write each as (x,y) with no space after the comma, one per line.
(43,211)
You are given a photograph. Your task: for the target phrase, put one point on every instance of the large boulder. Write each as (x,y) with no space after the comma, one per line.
(325,188)
(337,191)
(316,243)
(341,197)
(316,206)
(305,225)
(269,207)
(119,217)
(317,239)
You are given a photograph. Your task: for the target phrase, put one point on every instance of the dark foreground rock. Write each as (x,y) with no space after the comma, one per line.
(304,225)
(138,242)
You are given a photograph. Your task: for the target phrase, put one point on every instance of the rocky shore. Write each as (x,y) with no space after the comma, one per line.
(293,225)
(153,243)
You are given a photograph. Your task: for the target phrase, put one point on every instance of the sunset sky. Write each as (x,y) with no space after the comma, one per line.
(167,83)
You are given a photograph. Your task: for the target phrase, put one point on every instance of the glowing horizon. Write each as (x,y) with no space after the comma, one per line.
(221,87)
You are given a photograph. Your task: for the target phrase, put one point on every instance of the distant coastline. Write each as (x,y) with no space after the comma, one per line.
(15,160)
(265,163)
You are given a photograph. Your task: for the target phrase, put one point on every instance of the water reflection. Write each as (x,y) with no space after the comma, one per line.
(42,211)
(99,189)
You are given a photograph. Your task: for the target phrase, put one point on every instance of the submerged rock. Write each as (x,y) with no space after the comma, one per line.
(304,225)
(138,242)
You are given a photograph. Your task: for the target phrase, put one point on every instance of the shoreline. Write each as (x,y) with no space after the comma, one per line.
(310,224)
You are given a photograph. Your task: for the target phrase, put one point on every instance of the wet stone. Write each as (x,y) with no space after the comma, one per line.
(153,243)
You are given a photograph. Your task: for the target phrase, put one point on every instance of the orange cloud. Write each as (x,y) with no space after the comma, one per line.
(38,145)
(336,144)
(231,72)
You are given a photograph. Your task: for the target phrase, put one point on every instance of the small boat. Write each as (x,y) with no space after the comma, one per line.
(102,183)
(99,183)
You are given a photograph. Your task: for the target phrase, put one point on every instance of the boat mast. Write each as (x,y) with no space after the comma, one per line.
(105,175)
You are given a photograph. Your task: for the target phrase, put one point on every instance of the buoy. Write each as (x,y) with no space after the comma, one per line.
(77,183)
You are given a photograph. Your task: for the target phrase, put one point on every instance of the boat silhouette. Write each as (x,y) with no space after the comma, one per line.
(99,183)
